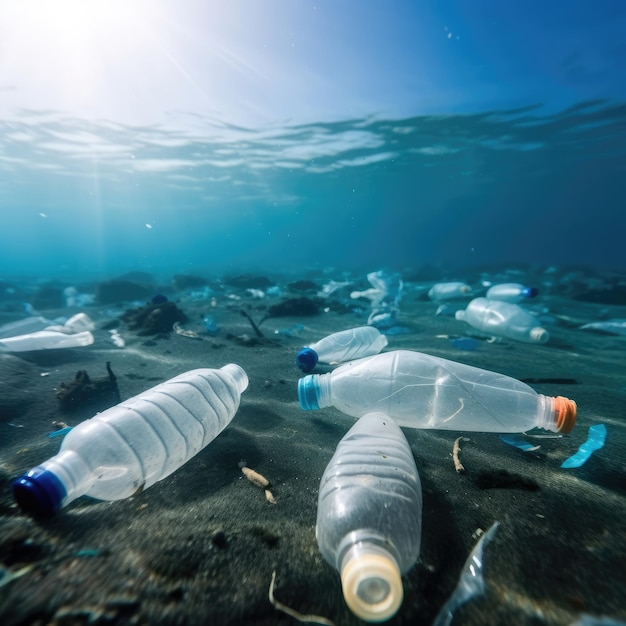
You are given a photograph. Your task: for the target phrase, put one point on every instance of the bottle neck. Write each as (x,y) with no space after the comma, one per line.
(370,578)
(324,398)
(73,472)
(546,414)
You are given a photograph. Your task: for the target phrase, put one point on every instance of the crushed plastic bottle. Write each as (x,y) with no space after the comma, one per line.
(369,515)
(422,391)
(136,443)
(385,295)
(345,345)
(503,319)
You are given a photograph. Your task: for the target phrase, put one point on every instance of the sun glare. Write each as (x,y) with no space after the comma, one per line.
(69,49)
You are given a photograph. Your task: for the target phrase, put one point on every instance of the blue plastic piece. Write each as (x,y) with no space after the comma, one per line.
(465,343)
(530,292)
(306,359)
(211,326)
(518,442)
(39,492)
(595,441)
(307,393)
(60,432)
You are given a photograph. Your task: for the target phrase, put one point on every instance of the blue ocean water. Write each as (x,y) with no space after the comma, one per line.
(95,198)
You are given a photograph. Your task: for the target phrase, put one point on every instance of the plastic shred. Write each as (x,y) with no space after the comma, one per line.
(471,581)
(518,442)
(595,441)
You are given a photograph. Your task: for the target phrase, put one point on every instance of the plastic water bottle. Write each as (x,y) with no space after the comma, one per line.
(503,319)
(449,291)
(136,443)
(45,340)
(511,292)
(343,346)
(422,391)
(369,515)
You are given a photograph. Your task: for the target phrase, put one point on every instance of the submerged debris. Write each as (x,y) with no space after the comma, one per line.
(471,581)
(257,479)
(179,330)
(153,319)
(458,466)
(98,393)
(294,307)
(595,441)
(312,619)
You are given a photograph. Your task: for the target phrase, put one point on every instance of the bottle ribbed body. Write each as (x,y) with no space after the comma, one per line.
(139,441)
(369,515)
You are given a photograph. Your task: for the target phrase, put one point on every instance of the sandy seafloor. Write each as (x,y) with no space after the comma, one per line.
(200,546)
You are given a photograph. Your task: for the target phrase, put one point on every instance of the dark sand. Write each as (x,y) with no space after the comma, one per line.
(200,546)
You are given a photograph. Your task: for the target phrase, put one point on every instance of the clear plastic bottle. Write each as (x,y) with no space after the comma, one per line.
(46,340)
(422,391)
(136,443)
(449,291)
(511,292)
(369,515)
(343,346)
(503,319)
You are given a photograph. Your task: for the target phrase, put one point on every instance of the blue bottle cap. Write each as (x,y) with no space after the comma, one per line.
(306,359)
(307,393)
(529,292)
(39,492)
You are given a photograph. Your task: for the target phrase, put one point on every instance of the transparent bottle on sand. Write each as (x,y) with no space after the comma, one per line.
(511,292)
(422,391)
(449,291)
(503,319)
(369,515)
(345,345)
(136,443)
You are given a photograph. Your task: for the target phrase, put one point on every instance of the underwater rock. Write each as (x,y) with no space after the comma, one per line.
(48,296)
(83,392)
(303,286)
(118,290)
(188,281)
(249,281)
(16,376)
(294,307)
(154,318)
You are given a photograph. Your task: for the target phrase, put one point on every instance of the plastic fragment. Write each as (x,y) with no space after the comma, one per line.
(518,442)
(471,582)
(595,441)
(465,343)
(60,432)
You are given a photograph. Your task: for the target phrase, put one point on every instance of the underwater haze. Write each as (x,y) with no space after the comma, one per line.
(203,136)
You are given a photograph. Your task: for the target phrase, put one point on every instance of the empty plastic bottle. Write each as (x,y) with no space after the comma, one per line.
(422,391)
(45,340)
(449,291)
(511,292)
(369,515)
(343,346)
(136,443)
(503,319)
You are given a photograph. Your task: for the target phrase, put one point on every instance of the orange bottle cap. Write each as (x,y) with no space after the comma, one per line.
(565,414)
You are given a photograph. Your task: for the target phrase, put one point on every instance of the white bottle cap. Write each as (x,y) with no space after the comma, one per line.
(539,335)
(372,587)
